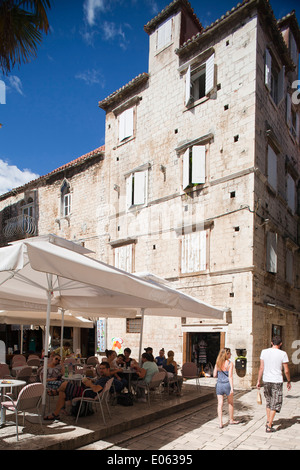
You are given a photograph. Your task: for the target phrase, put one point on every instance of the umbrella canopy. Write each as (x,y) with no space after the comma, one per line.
(52,273)
(39,318)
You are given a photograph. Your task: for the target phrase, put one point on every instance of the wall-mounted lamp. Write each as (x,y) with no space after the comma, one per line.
(163,169)
(117,188)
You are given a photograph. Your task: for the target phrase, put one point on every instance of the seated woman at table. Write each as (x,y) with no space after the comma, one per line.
(146,372)
(55,371)
(160,359)
(115,370)
(128,359)
(69,390)
(170,365)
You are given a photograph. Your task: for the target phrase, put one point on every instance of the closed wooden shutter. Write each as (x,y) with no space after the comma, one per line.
(186,169)
(126,124)
(193,252)
(129,191)
(291,193)
(289,267)
(281,81)
(164,33)
(123,257)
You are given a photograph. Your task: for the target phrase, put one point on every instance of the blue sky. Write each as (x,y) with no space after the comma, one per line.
(51,115)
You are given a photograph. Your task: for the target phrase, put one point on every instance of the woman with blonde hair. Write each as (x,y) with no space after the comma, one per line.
(224,372)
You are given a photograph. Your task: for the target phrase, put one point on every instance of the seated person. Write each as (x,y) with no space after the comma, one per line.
(69,390)
(160,359)
(120,360)
(146,372)
(169,364)
(115,370)
(149,351)
(128,359)
(171,367)
(66,350)
(55,371)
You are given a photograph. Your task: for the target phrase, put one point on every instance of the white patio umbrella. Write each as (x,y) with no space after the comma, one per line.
(51,272)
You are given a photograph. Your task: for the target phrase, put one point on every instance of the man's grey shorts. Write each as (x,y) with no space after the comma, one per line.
(273,395)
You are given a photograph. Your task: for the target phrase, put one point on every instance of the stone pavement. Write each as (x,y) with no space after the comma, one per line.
(171,423)
(196,428)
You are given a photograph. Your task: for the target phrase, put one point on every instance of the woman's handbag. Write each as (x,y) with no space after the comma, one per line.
(258,399)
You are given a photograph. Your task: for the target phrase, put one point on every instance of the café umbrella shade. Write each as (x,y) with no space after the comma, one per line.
(49,272)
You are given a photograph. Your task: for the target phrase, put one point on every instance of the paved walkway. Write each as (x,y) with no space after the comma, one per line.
(197,428)
(173,423)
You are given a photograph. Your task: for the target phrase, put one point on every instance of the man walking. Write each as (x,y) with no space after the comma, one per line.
(271,362)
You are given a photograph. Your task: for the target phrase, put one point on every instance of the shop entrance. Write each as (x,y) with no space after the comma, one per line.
(203,349)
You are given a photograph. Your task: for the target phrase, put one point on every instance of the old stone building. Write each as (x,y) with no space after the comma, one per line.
(199,183)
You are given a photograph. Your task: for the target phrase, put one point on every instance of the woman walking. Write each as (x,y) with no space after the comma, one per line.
(224,372)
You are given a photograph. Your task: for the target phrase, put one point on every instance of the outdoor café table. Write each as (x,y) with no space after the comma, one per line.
(4,384)
(74,378)
(128,373)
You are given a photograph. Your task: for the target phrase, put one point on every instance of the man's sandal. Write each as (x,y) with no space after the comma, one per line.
(51,417)
(270,429)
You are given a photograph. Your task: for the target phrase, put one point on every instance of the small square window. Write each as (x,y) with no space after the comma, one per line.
(133,325)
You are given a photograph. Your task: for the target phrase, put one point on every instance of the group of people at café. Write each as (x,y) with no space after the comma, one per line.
(111,366)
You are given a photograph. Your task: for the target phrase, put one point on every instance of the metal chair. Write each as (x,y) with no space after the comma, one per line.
(190,371)
(33,362)
(18,359)
(29,398)
(92,361)
(4,371)
(101,397)
(175,379)
(24,374)
(153,385)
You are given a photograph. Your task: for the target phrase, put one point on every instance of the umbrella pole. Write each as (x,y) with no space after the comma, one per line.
(49,276)
(62,334)
(141,334)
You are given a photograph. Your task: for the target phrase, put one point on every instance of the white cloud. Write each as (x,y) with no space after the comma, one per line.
(15,83)
(91,8)
(91,77)
(12,177)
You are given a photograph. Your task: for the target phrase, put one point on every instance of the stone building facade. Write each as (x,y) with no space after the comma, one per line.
(199,183)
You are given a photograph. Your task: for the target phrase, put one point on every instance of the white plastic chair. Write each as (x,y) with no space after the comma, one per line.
(101,397)
(153,385)
(29,398)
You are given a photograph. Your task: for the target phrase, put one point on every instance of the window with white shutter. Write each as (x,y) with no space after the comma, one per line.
(272,167)
(291,192)
(274,78)
(136,188)
(164,34)
(194,166)
(126,124)
(65,199)
(193,252)
(200,80)
(123,257)
(271,262)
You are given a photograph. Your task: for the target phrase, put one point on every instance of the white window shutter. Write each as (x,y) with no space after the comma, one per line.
(139,187)
(129,191)
(291,193)
(121,127)
(128,122)
(271,252)
(198,164)
(186,169)
(281,78)
(164,33)
(210,74)
(272,167)
(193,252)
(268,68)
(188,85)
(123,257)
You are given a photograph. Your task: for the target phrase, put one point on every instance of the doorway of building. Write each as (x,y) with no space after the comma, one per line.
(204,349)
